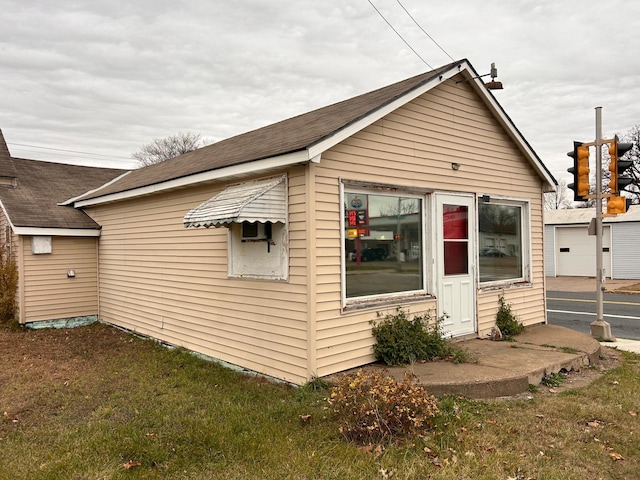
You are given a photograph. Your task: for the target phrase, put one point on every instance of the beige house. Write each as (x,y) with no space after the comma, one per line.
(274,249)
(55,247)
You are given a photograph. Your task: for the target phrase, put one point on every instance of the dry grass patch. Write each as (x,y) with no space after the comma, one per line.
(97,403)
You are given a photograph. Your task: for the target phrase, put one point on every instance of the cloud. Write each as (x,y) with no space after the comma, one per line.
(107,77)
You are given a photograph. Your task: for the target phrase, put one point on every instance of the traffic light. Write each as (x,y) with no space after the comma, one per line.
(617,205)
(580,171)
(617,166)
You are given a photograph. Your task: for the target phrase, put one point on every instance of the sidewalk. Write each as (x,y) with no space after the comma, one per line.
(624,344)
(584,284)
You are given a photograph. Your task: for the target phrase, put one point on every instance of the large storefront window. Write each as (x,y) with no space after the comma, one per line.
(383,244)
(500,242)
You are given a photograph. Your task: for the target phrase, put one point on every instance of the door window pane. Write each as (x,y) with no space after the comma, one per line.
(383,244)
(455,228)
(456,258)
(455,222)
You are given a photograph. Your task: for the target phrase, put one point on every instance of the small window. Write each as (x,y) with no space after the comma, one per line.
(565,250)
(503,242)
(257,231)
(249,230)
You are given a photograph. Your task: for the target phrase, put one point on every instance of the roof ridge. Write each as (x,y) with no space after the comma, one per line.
(286,136)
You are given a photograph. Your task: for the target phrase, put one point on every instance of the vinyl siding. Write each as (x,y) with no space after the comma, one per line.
(161,279)
(550,250)
(48,293)
(414,147)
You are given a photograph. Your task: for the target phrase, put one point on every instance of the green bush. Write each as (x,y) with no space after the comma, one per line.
(8,285)
(373,407)
(401,340)
(506,320)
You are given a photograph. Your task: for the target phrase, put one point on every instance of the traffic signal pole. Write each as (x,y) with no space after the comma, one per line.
(616,203)
(599,328)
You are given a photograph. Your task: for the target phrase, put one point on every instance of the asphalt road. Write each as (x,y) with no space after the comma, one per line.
(576,310)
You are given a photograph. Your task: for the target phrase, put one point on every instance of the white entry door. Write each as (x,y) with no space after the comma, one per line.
(455,234)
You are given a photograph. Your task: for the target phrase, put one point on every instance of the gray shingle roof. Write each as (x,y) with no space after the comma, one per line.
(42,185)
(4,150)
(291,135)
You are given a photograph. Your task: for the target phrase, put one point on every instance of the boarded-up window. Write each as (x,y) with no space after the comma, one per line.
(258,250)
(40,244)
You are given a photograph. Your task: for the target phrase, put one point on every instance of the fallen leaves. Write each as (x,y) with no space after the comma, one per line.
(131,464)
(305,419)
(375,450)
(386,473)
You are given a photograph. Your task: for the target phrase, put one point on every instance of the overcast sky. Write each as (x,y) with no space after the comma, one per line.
(108,77)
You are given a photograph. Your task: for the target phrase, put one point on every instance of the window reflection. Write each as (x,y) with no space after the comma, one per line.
(383,243)
(500,242)
(455,228)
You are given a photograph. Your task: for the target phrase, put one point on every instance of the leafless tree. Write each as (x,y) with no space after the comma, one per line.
(162,149)
(400,208)
(560,199)
(633,190)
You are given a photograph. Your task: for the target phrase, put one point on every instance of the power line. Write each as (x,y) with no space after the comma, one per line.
(67,151)
(424,31)
(401,37)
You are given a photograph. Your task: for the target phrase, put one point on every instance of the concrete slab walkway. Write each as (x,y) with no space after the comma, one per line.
(505,368)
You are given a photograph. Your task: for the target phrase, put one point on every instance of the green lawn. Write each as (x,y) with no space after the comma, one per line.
(97,403)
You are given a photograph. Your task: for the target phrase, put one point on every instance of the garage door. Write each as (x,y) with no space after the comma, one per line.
(576,251)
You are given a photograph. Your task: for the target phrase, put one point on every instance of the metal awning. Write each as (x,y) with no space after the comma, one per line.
(256,201)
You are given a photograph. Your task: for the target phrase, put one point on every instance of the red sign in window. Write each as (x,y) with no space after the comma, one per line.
(353,218)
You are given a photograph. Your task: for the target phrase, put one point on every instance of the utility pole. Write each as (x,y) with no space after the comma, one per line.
(599,328)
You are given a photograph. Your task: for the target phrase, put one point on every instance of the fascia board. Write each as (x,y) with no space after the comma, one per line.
(58,232)
(341,135)
(6,215)
(219,174)
(72,200)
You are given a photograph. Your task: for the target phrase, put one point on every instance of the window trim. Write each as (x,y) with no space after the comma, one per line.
(525,241)
(365,188)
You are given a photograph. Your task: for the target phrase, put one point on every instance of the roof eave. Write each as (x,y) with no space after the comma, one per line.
(54,231)
(239,170)
(352,128)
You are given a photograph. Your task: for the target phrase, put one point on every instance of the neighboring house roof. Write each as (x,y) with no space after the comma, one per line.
(583,216)
(32,202)
(299,139)
(4,150)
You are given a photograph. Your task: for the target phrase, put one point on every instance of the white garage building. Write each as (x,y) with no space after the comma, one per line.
(570,251)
